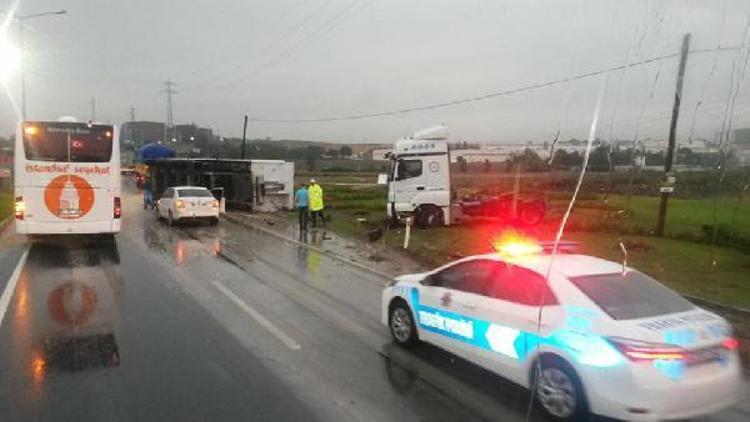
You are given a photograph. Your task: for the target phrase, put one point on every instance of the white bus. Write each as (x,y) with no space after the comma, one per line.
(67,178)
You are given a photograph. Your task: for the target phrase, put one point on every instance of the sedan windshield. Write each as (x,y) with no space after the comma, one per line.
(631,296)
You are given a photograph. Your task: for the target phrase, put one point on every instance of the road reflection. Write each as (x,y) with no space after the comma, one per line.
(412,372)
(68,308)
(185,243)
(309,261)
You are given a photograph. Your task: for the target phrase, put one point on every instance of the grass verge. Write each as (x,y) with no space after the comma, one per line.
(714,273)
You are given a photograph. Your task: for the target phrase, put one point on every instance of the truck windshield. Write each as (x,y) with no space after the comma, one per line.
(408,169)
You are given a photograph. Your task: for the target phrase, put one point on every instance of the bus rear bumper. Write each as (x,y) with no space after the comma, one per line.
(92,227)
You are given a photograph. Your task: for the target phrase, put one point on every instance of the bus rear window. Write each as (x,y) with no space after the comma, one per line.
(68,142)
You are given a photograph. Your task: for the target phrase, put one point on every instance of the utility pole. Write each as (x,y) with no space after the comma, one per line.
(668,187)
(244,136)
(130,126)
(169,124)
(93,109)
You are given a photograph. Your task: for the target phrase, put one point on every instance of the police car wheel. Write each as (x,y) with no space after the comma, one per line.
(156,209)
(559,393)
(402,326)
(172,221)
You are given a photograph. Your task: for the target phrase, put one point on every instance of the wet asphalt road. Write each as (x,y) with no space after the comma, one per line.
(217,323)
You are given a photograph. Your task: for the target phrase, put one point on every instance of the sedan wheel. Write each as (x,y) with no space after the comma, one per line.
(557,393)
(402,326)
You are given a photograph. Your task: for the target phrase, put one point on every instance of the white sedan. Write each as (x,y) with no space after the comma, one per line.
(597,338)
(182,203)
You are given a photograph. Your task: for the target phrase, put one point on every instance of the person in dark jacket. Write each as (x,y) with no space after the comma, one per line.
(302,197)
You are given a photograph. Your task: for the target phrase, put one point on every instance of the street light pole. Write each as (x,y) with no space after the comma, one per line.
(20,20)
(23,74)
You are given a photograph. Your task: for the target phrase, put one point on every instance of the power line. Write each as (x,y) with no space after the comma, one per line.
(294,28)
(169,91)
(290,31)
(326,27)
(493,94)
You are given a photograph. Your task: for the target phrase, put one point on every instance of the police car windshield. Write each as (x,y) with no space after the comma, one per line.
(631,296)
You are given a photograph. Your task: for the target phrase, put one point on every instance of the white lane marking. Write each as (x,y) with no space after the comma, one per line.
(11,286)
(260,319)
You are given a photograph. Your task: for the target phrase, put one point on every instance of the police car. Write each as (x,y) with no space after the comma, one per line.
(608,340)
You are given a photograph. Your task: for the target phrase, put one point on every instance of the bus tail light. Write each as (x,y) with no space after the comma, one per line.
(643,351)
(20,208)
(118,207)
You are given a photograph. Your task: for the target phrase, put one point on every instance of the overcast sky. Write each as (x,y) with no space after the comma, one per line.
(299,59)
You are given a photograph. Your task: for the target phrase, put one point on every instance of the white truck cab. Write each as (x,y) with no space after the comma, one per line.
(419,186)
(419,182)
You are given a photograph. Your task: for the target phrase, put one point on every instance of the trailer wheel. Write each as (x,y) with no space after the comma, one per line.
(429,217)
(530,215)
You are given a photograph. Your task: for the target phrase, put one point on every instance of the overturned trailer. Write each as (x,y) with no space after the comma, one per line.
(233,177)
(265,185)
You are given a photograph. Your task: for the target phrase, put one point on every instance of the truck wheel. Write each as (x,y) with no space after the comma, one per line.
(530,215)
(430,217)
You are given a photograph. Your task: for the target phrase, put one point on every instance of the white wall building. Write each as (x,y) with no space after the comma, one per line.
(379,154)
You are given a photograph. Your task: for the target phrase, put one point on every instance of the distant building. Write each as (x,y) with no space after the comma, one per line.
(184,133)
(570,148)
(494,153)
(141,132)
(379,154)
(740,139)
